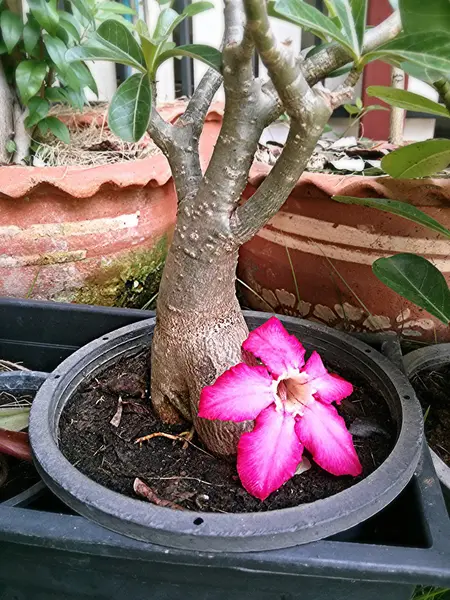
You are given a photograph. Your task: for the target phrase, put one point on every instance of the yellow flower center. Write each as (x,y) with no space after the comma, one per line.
(294,393)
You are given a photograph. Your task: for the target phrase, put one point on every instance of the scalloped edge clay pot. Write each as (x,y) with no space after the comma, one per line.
(332,247)
(95,235)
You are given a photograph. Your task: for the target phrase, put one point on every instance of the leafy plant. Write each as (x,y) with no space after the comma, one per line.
(131,107)
(33,70)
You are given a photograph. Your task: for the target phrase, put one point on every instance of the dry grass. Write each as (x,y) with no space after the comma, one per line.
(91,142)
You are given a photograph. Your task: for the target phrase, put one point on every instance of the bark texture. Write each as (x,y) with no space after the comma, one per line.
(200,327)
(6,117)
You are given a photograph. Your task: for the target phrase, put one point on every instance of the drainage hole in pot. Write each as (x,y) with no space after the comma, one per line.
(57,376)
(368,351)
(198,521)
(105,339)
(407,397)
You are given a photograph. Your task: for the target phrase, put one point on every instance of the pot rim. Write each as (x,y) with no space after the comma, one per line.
(82,181)
(418,360)
(15,381)
(234,532)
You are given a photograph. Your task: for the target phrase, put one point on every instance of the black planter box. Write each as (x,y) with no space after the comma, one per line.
(46,553)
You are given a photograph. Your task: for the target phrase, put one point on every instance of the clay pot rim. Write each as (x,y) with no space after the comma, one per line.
(83,182)
(383,186)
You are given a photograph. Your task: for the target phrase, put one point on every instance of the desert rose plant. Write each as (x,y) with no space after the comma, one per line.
(200,327)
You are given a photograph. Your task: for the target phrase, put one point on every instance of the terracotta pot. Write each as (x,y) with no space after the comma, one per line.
(332,247)
(98,234)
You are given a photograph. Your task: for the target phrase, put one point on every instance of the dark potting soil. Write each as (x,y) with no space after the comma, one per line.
(433,390)
(187,474)
(16,475)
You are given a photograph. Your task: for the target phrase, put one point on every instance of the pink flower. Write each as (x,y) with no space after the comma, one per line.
(290,402)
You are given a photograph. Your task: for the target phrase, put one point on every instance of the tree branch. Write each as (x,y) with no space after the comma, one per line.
(309,111)
(443,87)
(180,147)
(334,57)
(200,102)
(244,116)
(161,132)
(317,67)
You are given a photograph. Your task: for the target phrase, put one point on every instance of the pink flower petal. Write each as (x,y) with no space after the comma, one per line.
(324,434)
(269,455)
(329,387)
(240,394)
(278,350)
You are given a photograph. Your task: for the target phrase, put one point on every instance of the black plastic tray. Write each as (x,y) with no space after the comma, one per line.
(46,554)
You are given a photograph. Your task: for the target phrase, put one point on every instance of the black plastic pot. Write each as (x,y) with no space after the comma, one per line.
(214,532)
(424,359)
(23,382)
(42,334)
(48,555)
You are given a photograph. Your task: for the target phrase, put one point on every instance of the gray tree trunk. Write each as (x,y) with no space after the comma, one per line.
(6,117)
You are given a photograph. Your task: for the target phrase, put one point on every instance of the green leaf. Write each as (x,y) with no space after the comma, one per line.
(68,25)
(352,15)
(420,72)
(31,34)
(30,75)
(407,100)
(84,9)
(57,127)
(352,109)
(341,71)
(38,109)
(14,419)
(113,42)
(11,146)
(207,54)
(422,49)
(76,98)
(421,159)
(196,8)
(118,36)
(417,280)
(65,17)
(3,48)
(308,17)
(56,49)
(11,27)
(418,16)
(46,14)
(130,108)
(116,8)
(56,94)
(395,207)
(359,11)
(84,76)
(167,21)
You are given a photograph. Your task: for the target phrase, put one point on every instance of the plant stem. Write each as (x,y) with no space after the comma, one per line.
(397,120)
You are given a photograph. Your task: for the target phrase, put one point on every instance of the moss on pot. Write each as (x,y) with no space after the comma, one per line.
(130,280)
